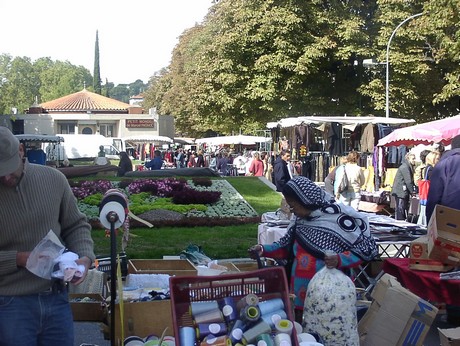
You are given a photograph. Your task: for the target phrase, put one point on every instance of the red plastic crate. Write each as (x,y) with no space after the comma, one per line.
(267,283)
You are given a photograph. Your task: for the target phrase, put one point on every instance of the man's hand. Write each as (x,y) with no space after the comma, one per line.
(255,250)
(21,258)
(332,261)
(87,263)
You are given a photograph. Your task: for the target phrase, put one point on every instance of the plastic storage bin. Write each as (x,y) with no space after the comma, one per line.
(267,283)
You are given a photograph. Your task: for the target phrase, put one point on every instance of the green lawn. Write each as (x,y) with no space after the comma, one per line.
(216,242)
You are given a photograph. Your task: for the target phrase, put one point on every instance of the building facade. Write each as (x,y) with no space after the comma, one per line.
(85,112)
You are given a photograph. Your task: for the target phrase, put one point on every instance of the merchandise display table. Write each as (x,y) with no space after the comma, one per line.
(268,233)
(426,284)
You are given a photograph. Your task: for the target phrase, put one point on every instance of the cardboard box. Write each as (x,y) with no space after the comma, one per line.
(449,337)
(181,267)
(142,319)
(396,316)
(93,310)
(444,235)
(419,257)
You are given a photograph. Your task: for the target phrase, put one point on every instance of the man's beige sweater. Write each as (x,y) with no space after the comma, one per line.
(42,201)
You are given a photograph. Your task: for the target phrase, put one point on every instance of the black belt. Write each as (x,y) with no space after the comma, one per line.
(57,286)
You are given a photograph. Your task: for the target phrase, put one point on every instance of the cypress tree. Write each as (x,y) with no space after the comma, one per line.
(97,71)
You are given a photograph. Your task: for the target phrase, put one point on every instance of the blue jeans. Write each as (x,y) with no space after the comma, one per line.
(43,319)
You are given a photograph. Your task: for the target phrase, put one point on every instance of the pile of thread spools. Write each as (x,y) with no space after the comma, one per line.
(240,321)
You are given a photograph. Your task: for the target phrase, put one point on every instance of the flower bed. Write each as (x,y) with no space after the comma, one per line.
(201,201)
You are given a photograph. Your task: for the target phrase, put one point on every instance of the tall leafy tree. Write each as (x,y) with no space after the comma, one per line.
(60,79)
(252,62)
(441,27)
(97,71)
(19,84)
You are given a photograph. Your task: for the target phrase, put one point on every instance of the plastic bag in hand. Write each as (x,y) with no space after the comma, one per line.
(330,308)
(41,259)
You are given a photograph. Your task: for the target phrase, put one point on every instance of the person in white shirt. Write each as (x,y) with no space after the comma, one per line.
(240,163)
(352,195)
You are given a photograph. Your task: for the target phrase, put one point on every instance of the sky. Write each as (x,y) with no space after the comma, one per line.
(136,37)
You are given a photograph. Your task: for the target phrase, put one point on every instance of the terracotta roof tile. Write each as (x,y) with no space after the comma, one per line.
(84,101)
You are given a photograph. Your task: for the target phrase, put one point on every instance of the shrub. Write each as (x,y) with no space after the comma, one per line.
(190,196)
(162,188)
(86,188)
(202,181)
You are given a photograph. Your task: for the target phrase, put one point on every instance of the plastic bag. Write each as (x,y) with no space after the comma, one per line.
(66,267)
(195,254)
(330,308)
(41,259)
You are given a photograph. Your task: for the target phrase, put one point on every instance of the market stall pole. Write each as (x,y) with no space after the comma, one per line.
(113,212)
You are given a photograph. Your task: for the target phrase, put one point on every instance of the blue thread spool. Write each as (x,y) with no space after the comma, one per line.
(187,336)
(197,308)
(236,334)
(274,317)
(205,329)
(250,314)
(271,305)
(250,335)
(228,307)
(209,317)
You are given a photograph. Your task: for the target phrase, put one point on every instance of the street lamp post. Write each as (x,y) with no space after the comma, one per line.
(387,84)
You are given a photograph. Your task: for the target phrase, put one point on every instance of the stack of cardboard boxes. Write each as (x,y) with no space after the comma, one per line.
(396,316)
(439,250)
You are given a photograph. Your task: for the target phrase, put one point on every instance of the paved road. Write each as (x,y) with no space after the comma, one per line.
(89,333)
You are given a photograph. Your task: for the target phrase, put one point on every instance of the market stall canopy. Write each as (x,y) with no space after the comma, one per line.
(346,121)
(39,138)
(184,140)
(238,139)
(436,131)
(148,139)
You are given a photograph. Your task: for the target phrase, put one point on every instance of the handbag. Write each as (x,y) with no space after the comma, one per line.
(423,188)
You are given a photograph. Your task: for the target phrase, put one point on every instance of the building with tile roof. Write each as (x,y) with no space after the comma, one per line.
(85,112)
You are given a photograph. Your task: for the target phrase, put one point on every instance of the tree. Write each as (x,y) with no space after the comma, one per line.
(60,78)
(20,84)
(97,72)
(252,62)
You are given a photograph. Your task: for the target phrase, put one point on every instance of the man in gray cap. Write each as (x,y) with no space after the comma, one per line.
(35,199)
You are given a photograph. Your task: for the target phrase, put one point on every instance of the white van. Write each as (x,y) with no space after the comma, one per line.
(87,146)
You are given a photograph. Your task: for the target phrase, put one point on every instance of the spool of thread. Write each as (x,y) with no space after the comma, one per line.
(250,335)
(305,337)
(236,334)
(212,316)
(197,308)
(223,340)
(250,299)
(264,340)
(205,329)
(271,305)
(250,314)
(284,326)
(187,336)
(274,317)
(229,310)
(283,339)
(298,327)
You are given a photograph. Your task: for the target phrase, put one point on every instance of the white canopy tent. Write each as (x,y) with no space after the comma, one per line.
(348,122)
(148,139)
(238,139)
